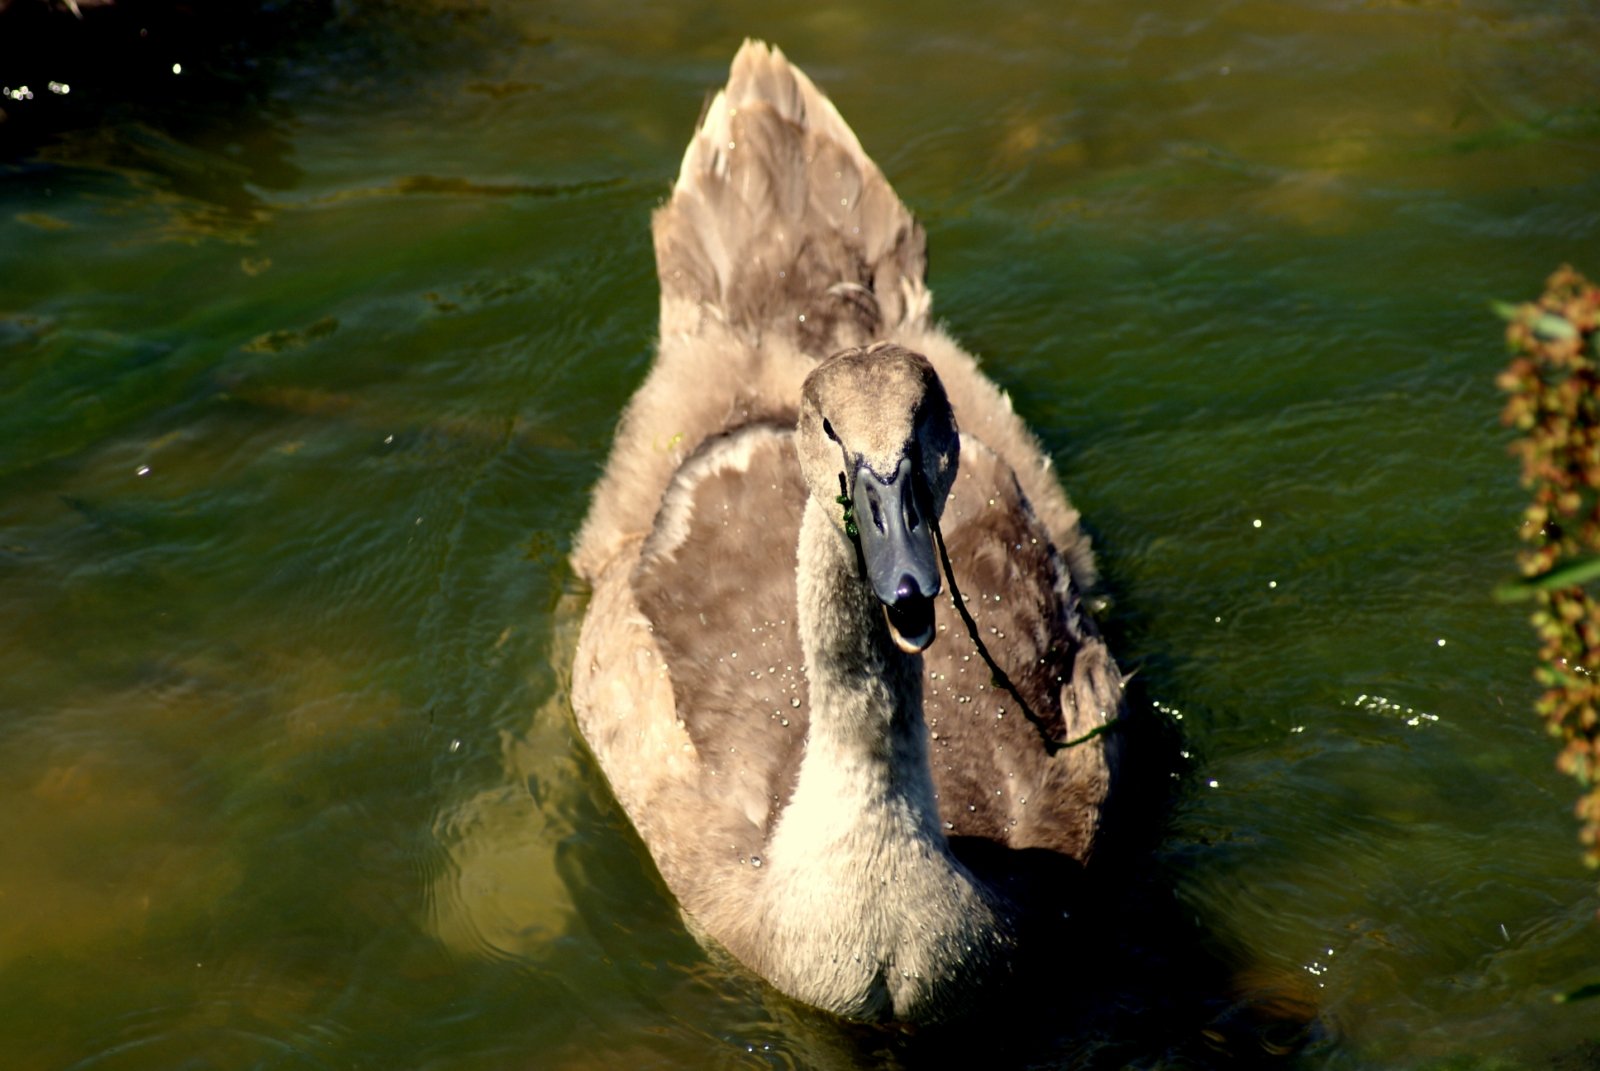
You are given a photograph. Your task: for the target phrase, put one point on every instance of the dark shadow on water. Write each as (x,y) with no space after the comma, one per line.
(196,103)
(175,66)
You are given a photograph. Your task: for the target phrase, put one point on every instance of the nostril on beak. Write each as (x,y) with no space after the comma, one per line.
(907,588)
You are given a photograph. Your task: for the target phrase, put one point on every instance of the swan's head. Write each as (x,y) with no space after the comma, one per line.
(879,447)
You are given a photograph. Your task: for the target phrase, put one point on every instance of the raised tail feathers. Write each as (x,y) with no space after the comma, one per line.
(780,223)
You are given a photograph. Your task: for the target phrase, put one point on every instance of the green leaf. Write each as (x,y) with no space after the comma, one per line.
(1553,328)
(1506,311)
(1549,326)
(1564,576)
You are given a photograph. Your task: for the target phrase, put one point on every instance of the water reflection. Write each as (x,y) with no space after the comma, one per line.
(500,892)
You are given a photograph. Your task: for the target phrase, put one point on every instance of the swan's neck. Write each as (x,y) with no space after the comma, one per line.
(867,912)
(868,746)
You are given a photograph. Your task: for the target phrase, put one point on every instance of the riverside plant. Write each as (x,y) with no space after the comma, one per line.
(1553,383)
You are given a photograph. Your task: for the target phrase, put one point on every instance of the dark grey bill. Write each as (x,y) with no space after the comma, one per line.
(897,546)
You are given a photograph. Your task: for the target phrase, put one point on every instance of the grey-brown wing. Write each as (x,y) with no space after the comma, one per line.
(716,580)
(995,776)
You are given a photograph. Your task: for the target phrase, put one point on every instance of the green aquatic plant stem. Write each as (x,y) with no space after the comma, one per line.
(850,528)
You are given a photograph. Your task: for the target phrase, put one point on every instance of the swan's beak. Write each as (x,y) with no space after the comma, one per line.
(897,546)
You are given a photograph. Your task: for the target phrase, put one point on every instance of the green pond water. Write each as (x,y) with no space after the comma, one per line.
(305,374)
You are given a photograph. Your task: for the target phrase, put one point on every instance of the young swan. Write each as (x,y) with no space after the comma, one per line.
(770,671)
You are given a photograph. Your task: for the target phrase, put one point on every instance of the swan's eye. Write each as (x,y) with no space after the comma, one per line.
(827,429)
